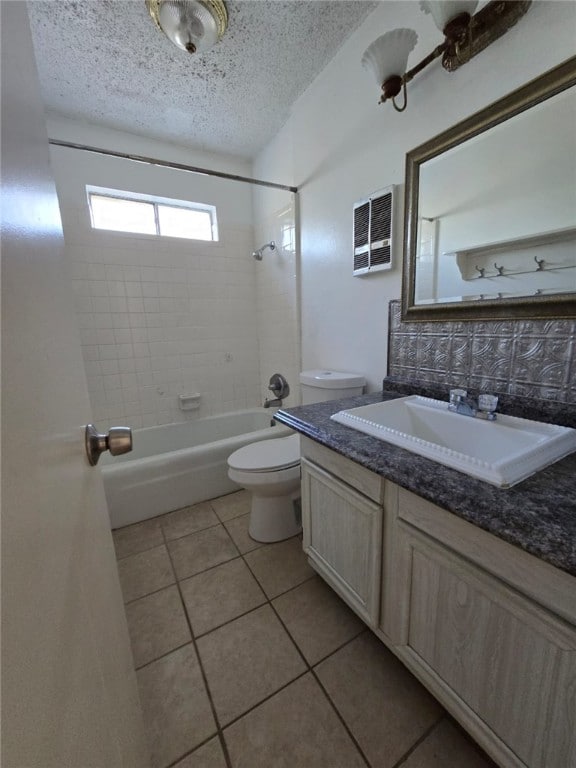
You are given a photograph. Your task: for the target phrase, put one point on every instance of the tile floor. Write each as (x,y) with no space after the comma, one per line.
(246,659)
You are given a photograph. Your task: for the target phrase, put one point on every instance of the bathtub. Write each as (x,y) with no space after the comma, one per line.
(176,465)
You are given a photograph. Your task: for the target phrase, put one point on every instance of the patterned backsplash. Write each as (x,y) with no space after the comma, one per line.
(527,358)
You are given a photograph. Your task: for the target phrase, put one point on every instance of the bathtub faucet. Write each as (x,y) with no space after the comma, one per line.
(277,401)
(279,387)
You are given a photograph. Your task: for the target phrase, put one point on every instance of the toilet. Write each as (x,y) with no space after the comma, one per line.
(270,469)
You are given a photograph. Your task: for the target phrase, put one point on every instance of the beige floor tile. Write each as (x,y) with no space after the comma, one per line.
(137,538)
(233,505)
(385,707)
(317,619)
(447,747)
(238,529)
(157,625)
(177,713)
(188,520)
(198,551)
(145,572)
(279,567)
(297,728)
(219,595)
(209,755)
(247,660)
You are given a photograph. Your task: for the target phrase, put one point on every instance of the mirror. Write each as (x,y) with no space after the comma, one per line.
(490,228)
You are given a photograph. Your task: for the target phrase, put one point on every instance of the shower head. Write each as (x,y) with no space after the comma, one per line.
(259,253)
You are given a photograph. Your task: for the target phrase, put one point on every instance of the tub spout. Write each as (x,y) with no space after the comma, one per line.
(277,401)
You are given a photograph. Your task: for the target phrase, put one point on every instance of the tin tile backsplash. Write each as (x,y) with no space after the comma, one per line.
(529,358)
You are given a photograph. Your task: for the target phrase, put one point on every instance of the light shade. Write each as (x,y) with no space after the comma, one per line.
(192,25)
(388,55)
(444,11)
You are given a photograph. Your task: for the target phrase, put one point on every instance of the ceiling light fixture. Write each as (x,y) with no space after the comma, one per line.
(192,25)
(465,35)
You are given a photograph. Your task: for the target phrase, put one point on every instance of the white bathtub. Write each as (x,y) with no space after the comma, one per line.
(176,465)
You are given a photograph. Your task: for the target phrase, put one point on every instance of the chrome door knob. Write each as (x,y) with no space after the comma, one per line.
(117,441)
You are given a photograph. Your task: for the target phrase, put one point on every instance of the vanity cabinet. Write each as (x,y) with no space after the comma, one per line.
(343,539)
(488,628)
(492,650)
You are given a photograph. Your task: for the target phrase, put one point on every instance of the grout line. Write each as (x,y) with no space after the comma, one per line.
(343,645)
(224,497)
(154,591)
(166,541)
(339,716)
(230,621)
(191,751)
(140,552)
(173,511)
(210,567)
(280,593)
(163,656)
(191,533)
(267,698)
(265,601)
(310,670)
(300,653)
(202,672)
(419,741)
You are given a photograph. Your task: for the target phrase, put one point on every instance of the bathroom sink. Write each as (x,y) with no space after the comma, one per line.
(501,452)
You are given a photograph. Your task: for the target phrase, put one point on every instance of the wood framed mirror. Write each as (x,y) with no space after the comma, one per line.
(490,227)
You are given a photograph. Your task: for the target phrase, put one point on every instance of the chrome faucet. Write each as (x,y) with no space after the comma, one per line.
(483,408)
(279,387)
(272,403)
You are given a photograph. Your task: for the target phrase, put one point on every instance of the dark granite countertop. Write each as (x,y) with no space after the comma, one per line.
(538,514)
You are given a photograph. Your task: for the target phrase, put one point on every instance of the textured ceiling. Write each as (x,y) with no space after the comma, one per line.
(104,61)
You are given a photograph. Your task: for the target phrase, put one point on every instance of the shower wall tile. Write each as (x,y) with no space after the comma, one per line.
(529,358)
(160,317)
(186,322)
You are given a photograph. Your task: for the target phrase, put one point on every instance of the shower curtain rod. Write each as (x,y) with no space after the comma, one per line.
(167,164)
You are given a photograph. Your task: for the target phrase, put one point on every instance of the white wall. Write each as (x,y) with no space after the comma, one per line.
(339,145)
(159,316)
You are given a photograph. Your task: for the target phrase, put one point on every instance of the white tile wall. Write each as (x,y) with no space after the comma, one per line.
(161,317)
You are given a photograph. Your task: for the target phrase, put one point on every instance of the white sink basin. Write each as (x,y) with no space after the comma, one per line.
(501,452)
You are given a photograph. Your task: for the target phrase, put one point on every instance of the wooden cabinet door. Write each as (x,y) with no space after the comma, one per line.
(343,539)
(508,660)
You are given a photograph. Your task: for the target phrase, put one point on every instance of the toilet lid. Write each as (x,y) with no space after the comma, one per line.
(267,455)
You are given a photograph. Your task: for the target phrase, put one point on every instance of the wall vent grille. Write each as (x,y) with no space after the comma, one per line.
(373,225)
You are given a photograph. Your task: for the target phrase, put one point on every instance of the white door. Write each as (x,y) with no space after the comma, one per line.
(69,695)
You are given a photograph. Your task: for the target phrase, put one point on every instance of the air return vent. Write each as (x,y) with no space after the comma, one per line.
(373,232)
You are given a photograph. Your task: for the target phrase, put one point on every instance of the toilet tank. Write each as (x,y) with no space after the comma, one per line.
(319,385)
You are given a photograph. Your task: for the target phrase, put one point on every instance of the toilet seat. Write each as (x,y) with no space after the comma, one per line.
(267,455)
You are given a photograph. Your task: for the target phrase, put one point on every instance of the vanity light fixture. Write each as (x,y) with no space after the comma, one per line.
(465,35)
(192,25)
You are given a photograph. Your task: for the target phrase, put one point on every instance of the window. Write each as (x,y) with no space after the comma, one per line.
(145,215)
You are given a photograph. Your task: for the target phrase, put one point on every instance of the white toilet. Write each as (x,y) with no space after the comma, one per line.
(270,469)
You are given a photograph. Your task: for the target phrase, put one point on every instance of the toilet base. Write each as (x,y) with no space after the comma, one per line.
(274,518)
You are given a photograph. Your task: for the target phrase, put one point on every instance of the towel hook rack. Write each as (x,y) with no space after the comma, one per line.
(500,270)
(540,263)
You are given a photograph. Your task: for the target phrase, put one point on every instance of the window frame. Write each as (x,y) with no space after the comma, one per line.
(155,202)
